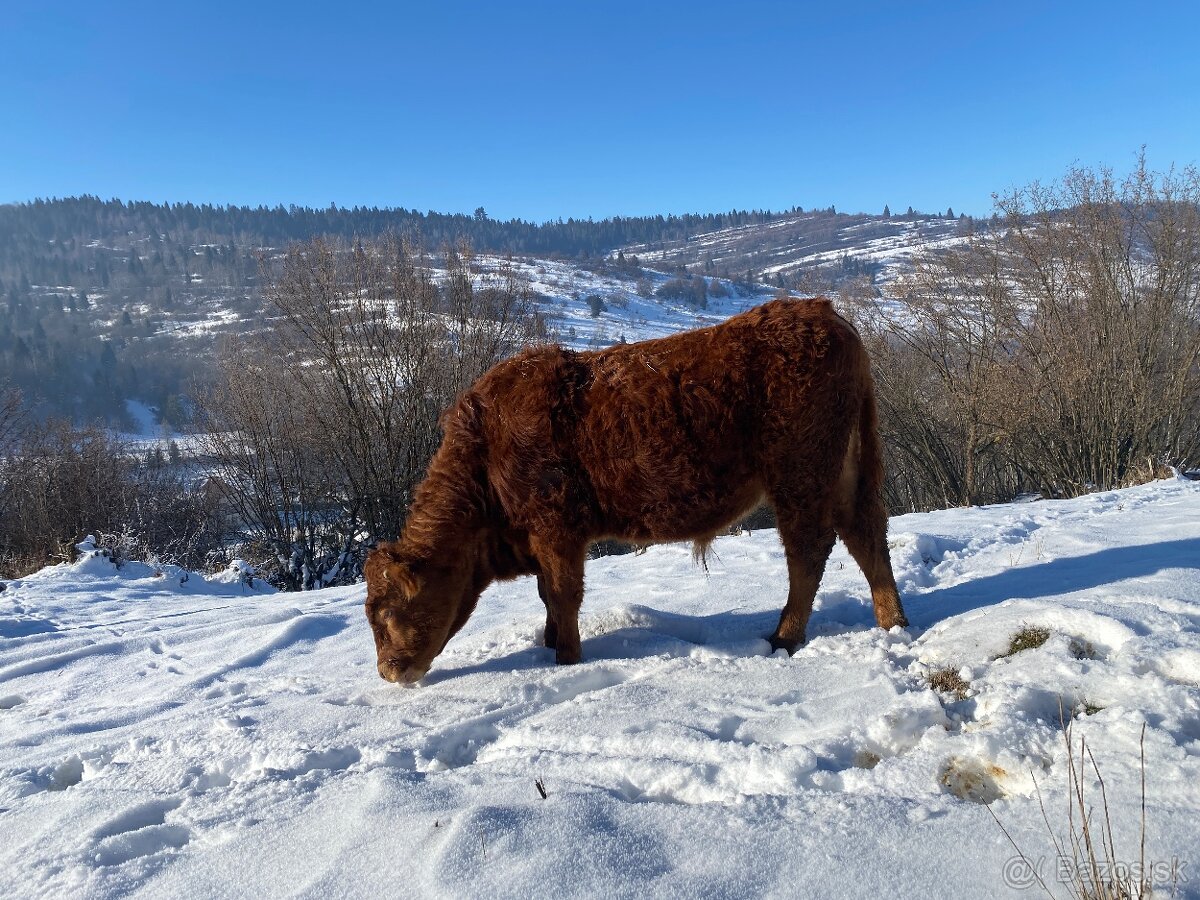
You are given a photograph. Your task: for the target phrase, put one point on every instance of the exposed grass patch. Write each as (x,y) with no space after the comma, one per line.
(1028,637)
(946,680)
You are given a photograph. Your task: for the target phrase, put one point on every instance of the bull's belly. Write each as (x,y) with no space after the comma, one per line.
(687,512)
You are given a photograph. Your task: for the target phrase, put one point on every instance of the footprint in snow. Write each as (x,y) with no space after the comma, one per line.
(137,832)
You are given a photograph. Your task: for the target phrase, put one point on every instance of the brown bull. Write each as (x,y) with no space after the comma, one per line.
(663,440)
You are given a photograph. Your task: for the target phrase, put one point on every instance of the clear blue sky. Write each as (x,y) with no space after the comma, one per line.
(538,110)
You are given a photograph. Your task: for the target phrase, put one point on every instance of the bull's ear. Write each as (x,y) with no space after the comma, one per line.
(402,574)
(385,566)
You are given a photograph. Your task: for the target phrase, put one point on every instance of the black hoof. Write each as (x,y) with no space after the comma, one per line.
(778,643)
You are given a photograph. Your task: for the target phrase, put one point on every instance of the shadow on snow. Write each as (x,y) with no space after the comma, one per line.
(653,632)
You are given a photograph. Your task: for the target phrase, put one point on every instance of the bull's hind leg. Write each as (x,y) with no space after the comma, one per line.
(550,636)
(861,522)
(807,535)
(562,582)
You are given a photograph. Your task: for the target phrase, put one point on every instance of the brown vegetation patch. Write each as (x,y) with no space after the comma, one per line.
(974,780)
(946,680)
(1029,637)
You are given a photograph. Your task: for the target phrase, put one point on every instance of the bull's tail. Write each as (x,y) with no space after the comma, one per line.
(870,449)
(860,517)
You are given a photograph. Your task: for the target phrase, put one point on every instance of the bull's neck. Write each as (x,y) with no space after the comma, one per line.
(448,523)
(447,513)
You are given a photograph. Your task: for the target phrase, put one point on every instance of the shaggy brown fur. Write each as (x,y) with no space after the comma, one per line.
(663,440)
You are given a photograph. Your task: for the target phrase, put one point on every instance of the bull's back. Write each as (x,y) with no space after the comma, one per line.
(680,435)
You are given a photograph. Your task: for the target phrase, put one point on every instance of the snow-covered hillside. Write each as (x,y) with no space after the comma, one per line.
(802,242)
(202,739)
(561,290)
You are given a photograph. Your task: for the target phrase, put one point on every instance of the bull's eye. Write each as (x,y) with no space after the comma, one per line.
(387,614)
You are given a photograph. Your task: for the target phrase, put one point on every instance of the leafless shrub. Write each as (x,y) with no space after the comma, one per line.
(321,428)
(60,482)
(1057,350)
(939,368)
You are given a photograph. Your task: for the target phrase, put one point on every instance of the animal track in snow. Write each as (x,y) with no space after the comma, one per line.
(333,759)
(254,769)
(139,831)
(55,777)
(727,730)
(135,818)
(145,842)
(20,626)
(202,780)
(225,689)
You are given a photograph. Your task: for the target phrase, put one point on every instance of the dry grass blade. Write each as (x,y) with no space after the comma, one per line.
(1142,848)
(1087,860)
(1028,862)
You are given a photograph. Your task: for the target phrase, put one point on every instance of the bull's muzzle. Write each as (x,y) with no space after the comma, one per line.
(401,673)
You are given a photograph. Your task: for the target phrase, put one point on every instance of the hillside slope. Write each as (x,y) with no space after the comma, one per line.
(201,739)
(781,252)
(102,303)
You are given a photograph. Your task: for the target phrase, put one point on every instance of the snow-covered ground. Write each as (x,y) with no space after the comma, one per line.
(204,739)
(150,434)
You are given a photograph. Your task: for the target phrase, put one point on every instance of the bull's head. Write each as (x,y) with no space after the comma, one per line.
(414,608)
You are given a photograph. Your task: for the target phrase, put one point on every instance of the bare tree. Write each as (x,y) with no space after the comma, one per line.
(12,418)
(1056,350)
(1111,272)
(322,427)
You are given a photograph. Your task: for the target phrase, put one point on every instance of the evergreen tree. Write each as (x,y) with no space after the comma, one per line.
(108,358)
(596,304)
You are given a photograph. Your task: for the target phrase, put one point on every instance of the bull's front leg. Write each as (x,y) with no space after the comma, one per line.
(562,582)
(550,636)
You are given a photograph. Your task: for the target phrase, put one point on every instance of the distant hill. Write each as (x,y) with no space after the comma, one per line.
(102,301)
(789,250)
(24,225)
